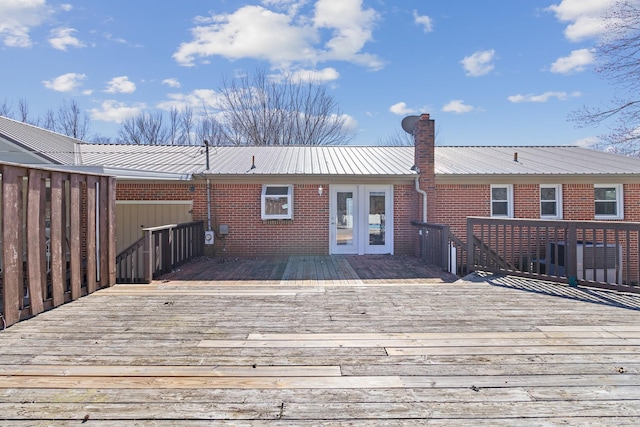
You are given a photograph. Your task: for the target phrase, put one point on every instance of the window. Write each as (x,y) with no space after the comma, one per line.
(502,200)
(277,201)
(608,201)
(551,201)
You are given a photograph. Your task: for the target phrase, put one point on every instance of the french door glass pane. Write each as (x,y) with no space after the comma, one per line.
(377,218)
(344,232)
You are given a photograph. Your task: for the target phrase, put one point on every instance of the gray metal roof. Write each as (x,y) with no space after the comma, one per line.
(181,161)
(544,160)
(322,160)
(51,146)
(170,159)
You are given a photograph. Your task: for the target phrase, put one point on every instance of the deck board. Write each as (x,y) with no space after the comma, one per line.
(332,341)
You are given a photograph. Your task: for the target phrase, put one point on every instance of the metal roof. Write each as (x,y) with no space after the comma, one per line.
(170,159)
(315,160)
(181,161)
(290,160)
(543,160)
(51,146)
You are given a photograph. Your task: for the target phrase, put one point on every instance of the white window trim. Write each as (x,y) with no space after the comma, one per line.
(509,200)
(619,201)
(558,188)
(289,196)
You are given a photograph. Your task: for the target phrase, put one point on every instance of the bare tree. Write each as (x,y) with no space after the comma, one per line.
(174,124)
(100,139)
(144,129)
(619,62)
(262,110)
(187,126)
(71,121)
(48,121)
(5,109)
(397,138)
(209,129)
(23,110)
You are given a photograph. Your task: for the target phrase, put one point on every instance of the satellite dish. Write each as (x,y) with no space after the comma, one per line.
(409,124)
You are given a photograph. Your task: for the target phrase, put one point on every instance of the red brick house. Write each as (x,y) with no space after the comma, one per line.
(339,199)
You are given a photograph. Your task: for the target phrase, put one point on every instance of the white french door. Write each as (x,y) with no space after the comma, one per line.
(361,219)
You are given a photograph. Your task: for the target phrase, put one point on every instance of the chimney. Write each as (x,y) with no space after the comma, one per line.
(424,158)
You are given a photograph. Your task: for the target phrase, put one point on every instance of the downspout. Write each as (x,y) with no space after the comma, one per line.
(424,199)
(206,145)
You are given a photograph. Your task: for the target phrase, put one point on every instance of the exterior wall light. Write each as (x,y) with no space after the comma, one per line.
(320,190)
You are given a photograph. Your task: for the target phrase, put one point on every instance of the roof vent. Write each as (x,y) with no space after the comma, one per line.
(515,156)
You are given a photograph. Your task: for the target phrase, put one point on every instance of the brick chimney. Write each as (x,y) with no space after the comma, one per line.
(424,140)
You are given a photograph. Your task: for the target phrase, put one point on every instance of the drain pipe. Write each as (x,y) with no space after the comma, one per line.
(424,199)
(206,145)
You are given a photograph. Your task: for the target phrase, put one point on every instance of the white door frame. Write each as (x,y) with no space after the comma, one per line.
(360,219)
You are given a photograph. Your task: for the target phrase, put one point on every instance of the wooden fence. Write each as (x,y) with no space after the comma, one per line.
(160,250)
(602,254)
(58,238)
(440,247)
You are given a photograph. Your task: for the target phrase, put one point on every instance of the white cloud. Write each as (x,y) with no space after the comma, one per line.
(544,97)
(457,106)
(290,6)
(316,76)
(575,62)
(401,109)
(350,124)
(61,38)
(65,82)
(198,100)
(171,82)
(18,17)
(287,38)
(113,111)
(479,64)
(585,17)
(66,7)
(588,142)
(424,21)
(120,84)
(352,28)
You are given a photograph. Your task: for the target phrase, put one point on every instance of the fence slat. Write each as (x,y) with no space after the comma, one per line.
(34,242)
(11,253)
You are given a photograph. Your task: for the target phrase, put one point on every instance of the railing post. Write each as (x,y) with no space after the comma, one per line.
(147,256)
(444,242)
(571,257)
(470,248)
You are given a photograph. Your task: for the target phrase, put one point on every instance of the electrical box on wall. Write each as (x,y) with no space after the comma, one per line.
(209,237)
(224,229)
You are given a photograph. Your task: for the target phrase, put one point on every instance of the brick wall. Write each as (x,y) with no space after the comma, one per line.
(405,207)
(238,206)
(454,202)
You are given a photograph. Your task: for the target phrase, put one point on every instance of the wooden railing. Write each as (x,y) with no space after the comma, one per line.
(602,254)
(160,250)
(57,240)
(440,247)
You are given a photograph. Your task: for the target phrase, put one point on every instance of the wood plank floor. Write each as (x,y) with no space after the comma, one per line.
(326,341)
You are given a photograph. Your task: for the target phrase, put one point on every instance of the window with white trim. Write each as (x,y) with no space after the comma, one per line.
(608,201)
(277,201)
(502,200)
(551,201)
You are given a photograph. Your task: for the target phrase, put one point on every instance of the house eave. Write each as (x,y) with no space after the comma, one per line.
(604,178)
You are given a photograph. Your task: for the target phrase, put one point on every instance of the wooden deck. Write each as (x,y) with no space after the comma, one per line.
(324,341)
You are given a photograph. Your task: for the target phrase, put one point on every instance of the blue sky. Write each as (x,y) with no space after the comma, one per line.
(490,72)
